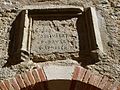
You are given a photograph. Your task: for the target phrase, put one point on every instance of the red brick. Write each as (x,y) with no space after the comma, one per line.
(108,85)
(87,76)
(30,77)
(36,76)
(41,74)
(76,72)
(3,86)
(74,77)
(91,81)
(95,80)
(20,81)
(14,84)
(25,79)
(115,85)
(8,85)
(118,88)
(81,74)
(103,82)
(98,80)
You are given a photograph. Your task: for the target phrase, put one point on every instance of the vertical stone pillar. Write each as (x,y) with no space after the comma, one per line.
(96,28)
(94,36)
(25,46)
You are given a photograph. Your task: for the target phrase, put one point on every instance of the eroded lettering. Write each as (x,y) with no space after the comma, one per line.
(49,40)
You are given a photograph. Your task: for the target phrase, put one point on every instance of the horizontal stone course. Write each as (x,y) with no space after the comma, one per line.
(30,78)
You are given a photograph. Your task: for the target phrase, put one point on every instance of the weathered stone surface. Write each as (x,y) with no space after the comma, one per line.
(54,37)
(52,72)
(55,33)
(109,27)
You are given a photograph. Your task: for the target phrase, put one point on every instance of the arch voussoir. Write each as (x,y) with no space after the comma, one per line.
(47,73)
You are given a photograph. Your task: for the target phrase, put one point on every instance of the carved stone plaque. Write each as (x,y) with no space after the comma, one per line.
(54,36)
(53,32)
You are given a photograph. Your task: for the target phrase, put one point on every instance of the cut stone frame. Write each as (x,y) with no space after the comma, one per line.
(86,25)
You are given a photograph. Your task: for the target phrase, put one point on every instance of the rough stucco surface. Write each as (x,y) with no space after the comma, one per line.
(109,21)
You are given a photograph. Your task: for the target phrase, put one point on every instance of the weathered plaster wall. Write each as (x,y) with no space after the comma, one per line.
(109,22)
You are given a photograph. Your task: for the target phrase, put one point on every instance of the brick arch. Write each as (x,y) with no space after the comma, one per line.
(73,77)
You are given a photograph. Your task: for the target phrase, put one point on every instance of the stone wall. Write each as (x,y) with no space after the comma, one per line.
(109,21)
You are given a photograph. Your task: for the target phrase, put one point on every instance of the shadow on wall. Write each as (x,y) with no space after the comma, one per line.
(15,38)
(87,41)
(61,85)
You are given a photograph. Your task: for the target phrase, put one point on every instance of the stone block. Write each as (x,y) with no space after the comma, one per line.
(54,72)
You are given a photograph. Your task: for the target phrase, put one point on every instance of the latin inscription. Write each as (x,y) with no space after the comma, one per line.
(54,36)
